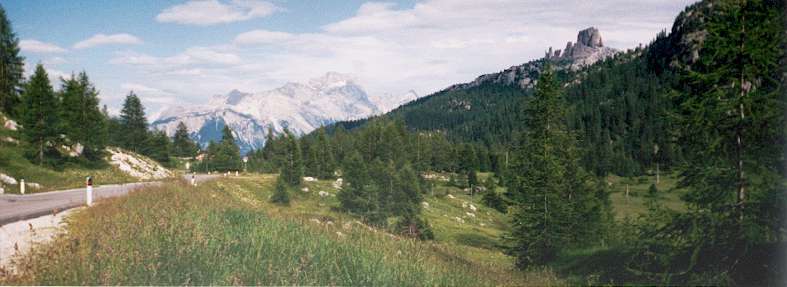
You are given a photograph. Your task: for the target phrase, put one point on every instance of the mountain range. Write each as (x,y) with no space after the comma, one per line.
(298,107)
(334,97)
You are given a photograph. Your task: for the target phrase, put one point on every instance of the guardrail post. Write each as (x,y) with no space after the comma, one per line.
(193,180)
(22,186)
(89,191)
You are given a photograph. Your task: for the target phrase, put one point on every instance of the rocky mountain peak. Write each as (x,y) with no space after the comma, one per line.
(590,37)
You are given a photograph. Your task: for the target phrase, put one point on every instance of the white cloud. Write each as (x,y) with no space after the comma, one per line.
(103,39)
(392,49)
(191,56)
(211,12)
(35,46)
(261,37)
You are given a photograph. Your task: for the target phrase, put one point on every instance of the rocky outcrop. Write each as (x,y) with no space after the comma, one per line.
(588,49)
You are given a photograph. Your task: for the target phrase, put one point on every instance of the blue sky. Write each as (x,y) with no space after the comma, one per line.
(181,52)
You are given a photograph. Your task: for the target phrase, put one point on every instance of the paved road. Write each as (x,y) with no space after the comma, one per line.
(14,207)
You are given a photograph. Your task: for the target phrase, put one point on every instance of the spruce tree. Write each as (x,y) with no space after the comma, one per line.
(547,187)
(157,147)
(731,110)
(292,168)
(11,67)
(280,194)
(39,116)
(81,119)
(182,145)
(133,124)
(225,156)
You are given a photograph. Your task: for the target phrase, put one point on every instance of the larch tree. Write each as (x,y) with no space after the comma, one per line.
(11,67)
(39,115)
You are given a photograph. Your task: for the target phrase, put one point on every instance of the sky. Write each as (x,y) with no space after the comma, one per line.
(184,52)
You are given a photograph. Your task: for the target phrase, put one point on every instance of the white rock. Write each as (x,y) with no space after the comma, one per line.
(33,185)
(451,196)
(323,193)
(10,125)
(464,204)
(305,189)
(10,140)
(470,214)
(7,179)
(136,165)
(309,179)
(473,208)
(458,219)
(338,183)
(339,233)
(425,204)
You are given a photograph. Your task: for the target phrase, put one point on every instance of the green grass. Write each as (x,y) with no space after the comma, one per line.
(225,232)
(71,175)
(636,203)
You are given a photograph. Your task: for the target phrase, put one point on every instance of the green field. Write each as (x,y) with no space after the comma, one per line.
(225,232)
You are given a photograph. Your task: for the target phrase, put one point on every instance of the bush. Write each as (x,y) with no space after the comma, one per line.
(280,194)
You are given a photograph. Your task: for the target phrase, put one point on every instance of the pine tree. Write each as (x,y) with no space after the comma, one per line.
(40,115)
(11,67)
(280,194)
(226,155)
(133,124)
(182,144)
(548,188)
(157,147)
(82,121)
(292,168)
(732,111)
(472,180)
(353,195)
(326,157)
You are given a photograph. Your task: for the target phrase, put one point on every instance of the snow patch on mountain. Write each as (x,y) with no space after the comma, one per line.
(298,107)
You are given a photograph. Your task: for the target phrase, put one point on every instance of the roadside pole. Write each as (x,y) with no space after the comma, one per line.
(89,191)
(22,186)
(193,180)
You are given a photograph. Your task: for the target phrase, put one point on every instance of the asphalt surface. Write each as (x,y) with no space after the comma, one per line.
(15,207)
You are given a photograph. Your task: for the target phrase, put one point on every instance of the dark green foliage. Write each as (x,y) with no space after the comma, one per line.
(39,117)
(653,191)
(157,146)
(133,132)
(11,67)
(554,208)
(182,144)
(81,120)
(491,198)
(731,107)
(472,179)
(223,156)
(280,194)
(292,168)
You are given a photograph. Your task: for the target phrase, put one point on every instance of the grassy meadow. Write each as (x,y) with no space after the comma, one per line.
(226,233)
(70,175)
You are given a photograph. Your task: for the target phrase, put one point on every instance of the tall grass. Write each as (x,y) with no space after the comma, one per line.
(175,234)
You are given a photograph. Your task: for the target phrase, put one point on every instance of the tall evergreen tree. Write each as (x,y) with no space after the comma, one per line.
(182,145)
(731,114)
(157,146)
(82,121)
(280,194)
(133,124)
(292,169)
(547,187)
(40,115)
(11,67)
